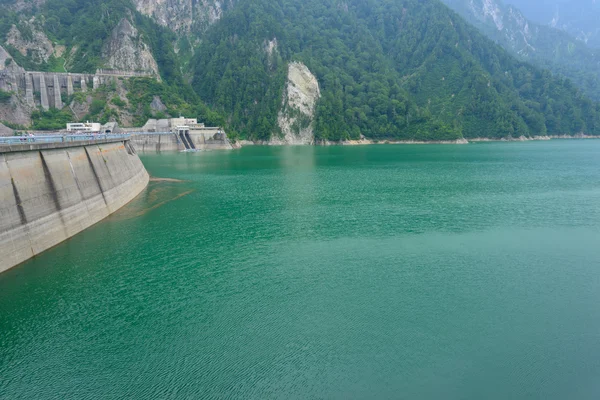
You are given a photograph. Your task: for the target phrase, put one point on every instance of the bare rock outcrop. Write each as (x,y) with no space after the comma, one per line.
(183,15)
(31,42)
(15,110)
(5,130)
(80,107)
(24,5)
(125,50)
(157,104)
(296,117)
(176,15)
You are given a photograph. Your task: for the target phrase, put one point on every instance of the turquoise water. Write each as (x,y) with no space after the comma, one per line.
(430,272)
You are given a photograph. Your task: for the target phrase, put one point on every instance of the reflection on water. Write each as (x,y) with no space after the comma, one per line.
(160,191)
(420,272)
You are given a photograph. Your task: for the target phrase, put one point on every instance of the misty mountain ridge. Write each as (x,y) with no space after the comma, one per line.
(577,17)
(542,45)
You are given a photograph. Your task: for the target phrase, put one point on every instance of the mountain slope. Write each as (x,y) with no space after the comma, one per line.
(386,69)
(578,17)
(84,35)
(543,46)
(184,16)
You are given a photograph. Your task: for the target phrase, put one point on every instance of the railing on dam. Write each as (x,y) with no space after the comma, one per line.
(149,133)
(60,138)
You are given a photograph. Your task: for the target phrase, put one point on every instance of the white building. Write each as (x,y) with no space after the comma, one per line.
(86,127)
(192,123)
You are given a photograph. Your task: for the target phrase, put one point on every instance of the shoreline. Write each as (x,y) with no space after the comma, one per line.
(463,141)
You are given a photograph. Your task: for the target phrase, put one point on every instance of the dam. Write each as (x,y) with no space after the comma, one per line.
(50,191)
(177,134)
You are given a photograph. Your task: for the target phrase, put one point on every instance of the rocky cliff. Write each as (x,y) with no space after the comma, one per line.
(544,46)
(13,109)
(577,17)
(126,50)
(30,41)
(184,16)
(505,24)
(296,118)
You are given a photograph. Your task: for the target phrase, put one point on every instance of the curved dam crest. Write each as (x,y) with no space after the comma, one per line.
(51,192)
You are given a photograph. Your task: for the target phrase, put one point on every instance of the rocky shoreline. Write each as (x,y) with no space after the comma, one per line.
(365,141)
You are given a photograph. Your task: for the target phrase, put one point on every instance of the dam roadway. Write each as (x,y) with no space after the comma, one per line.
(52,190)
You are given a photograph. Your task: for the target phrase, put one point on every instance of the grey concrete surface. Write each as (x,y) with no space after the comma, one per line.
(49,193)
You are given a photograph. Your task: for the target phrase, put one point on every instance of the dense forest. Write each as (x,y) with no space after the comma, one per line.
(403,69)
(83,26)
(387,69)
(543,46)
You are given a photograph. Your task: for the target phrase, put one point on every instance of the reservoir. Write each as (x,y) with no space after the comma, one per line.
(425,271)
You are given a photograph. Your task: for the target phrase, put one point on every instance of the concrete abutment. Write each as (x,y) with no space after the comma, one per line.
(50,193)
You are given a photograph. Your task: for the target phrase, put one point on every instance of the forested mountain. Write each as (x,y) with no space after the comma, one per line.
(322,70)
(84,35)
(541,45)
(403,69)
(578,17)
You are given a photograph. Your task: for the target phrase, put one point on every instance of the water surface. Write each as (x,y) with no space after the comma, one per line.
(455,272)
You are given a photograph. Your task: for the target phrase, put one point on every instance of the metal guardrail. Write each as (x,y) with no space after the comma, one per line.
(150,133)
(59,138)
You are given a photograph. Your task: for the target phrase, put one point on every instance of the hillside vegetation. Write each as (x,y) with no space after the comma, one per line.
(541,45)
(386,69)
(402,69)
(73,36)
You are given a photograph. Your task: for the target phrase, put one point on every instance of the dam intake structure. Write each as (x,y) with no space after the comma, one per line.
(52,190)
(177,134)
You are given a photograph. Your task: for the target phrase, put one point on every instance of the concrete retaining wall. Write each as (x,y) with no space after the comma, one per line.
(204,139)
(153,143)
(48,194)
(210,138)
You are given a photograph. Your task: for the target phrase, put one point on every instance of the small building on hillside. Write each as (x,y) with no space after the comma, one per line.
(85,127)
(192,123)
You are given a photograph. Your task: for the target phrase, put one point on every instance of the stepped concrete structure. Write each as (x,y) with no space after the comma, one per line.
(28,90)
(56,88)
(44,89)
(49,192)
(69,85)
(43,92)
(177,134)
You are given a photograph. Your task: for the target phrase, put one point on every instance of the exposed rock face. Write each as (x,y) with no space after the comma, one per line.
(183,15)
(9,64)
(125,50)
(25,5)
(577,17)
(489,9)
(5,131)
(33,42)
(296,118)
(15,111)
(174,14)
(508,26)
(81,108)
(157,104)
(508,21)
(271,46)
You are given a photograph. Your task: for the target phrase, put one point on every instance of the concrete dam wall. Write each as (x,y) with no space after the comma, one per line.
(202,139)
(51,192)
